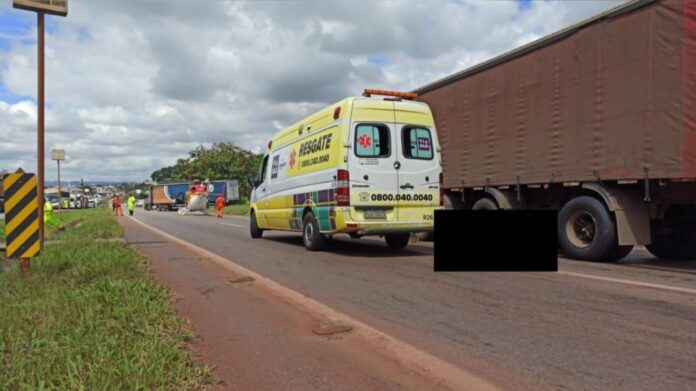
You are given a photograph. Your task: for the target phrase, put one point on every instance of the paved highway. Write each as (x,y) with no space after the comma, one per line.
(627,326)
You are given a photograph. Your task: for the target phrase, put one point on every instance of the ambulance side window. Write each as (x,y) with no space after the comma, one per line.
(263,169)
(372,141)
(417,142)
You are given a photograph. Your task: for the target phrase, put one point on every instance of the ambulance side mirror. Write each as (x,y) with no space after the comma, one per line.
(252,181)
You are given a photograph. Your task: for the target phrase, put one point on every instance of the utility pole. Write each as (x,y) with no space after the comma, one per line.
(40,126)
(82,194)
(41,7)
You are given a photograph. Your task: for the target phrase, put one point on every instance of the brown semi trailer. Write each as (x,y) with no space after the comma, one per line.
(597,121)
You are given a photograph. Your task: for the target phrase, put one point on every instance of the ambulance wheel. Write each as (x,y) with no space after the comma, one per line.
(254,229)
(397,241)
(312,238)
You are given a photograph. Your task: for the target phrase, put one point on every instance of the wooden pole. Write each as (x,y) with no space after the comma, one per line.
(40,128)
(24,266)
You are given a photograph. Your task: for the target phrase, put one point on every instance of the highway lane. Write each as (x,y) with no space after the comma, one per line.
(627,330)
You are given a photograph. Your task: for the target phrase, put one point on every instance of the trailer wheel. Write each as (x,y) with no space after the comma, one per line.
(254,229)
(675,237)
(312,238)
(619,253)
(587,231)
(397,241)
(485,204)
(680,245)
(427,236)
(452,202)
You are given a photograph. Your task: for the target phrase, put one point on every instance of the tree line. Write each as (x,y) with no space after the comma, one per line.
(222,160)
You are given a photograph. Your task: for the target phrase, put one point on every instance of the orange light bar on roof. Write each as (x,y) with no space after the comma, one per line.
(407,95)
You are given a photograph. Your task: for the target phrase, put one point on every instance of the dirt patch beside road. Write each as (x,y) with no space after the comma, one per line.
(255,341)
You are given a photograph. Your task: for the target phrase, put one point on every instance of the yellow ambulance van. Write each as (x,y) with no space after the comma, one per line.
(366,165)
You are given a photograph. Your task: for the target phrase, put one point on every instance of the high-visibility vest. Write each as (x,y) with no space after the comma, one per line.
(48,208)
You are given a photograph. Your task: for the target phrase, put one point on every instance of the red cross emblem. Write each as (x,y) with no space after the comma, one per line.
(292,158)
(365,141)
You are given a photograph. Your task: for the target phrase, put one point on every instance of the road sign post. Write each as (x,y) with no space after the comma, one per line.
(22,218)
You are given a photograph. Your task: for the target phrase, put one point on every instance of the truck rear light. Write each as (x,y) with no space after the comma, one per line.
(442,191)
(343,188)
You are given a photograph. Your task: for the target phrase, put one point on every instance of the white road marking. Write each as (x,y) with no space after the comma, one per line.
(234,225)
(630,282)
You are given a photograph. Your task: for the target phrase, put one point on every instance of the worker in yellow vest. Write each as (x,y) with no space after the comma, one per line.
(49,217)
(131,204)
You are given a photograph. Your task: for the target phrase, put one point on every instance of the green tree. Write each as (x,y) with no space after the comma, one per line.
(222,160)
(164,174)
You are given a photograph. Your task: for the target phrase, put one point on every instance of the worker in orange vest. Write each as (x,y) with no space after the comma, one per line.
(220,206)
(116,202)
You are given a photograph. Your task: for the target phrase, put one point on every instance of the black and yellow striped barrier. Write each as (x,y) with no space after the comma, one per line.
(21,216)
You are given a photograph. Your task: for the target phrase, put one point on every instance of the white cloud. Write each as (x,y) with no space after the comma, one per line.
(132,86)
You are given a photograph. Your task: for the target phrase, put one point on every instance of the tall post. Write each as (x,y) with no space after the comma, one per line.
(60,200)
(40,128)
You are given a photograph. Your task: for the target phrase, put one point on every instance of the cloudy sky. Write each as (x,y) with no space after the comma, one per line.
(132,85)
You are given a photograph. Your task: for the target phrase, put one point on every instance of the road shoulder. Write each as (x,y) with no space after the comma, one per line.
(255,341)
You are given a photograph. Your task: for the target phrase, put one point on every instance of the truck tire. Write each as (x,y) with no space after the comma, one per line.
(311,236)
(485,204)
(397,241)
(680,245)
(254,229)
(452,202)
(587,231)
(619,253)
(427,236)
(674,237)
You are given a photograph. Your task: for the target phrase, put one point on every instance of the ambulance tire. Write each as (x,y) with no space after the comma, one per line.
(254,229)
(397,241)
(311,237)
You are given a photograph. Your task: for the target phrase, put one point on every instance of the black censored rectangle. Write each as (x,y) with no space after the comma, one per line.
(495,240)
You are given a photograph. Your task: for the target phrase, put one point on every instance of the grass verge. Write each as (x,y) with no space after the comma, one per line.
(91,317)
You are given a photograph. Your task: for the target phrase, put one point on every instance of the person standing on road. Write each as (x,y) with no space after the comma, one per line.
(131,204)
(220,206)
(116,202)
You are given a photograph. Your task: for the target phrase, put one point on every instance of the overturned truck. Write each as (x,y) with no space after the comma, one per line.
(597,121)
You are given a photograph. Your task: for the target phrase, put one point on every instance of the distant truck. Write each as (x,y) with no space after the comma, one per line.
(172,196)
(597,121)
(229,189)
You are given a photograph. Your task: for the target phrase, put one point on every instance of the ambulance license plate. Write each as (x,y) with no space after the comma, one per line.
(375,214)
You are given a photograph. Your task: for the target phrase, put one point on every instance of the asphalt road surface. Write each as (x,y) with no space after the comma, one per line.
(626,326)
